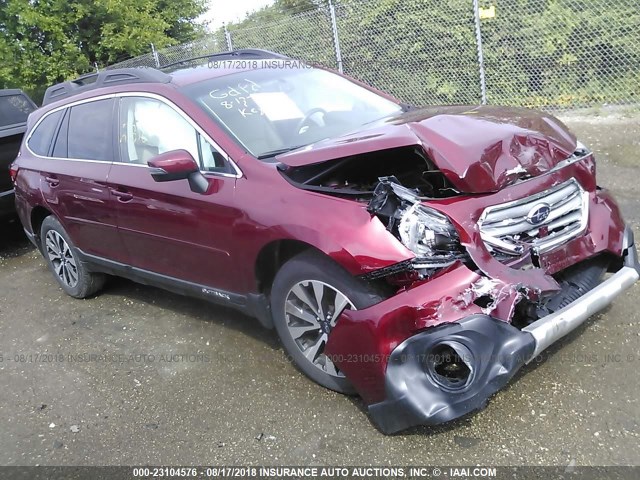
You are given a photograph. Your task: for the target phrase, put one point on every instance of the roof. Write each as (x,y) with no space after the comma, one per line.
(172,73)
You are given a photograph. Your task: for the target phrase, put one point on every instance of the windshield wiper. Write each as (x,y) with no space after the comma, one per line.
(279,151)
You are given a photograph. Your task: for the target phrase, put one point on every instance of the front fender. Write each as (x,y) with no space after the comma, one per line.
(359,249)
(341,229)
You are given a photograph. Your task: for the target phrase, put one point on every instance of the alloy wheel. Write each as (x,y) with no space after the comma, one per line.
(61,257)
(312,309)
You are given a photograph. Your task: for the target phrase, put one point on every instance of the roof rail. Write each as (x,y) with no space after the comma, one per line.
(106,78)
(245,53)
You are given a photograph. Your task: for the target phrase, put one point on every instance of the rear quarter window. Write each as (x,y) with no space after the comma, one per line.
(40,140)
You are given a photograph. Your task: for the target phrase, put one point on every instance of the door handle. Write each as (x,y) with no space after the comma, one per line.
(52,181)
(122,196)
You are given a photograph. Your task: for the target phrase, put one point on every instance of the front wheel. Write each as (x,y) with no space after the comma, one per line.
(63,261)
(309,294)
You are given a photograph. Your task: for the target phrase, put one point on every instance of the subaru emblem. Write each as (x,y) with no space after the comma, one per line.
(538,214)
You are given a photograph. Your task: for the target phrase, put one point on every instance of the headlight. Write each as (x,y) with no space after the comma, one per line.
(428,233)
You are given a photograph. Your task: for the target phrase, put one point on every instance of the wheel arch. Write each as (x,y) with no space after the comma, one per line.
(37,216)
(360,253)
(271,258)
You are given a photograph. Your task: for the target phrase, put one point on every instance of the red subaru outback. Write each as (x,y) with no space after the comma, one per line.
(416,256)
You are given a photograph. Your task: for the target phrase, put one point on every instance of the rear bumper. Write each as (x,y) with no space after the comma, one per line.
(492,349)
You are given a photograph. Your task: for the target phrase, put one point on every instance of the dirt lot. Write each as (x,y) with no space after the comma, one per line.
(218,389)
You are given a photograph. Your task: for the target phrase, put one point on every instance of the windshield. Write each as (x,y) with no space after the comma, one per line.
(270,111)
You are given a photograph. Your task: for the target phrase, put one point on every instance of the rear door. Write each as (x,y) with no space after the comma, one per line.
(165,227)
(74,171)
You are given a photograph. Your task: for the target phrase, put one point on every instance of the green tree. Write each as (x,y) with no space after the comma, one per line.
(46,41)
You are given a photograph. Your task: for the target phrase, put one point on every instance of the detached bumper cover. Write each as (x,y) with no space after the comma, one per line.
(494,350)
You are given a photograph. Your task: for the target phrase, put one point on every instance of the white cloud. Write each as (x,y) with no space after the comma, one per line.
(225,11)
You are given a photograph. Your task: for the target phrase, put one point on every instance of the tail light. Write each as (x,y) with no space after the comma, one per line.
(13,173)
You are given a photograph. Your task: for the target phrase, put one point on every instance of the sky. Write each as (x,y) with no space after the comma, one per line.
(225,11)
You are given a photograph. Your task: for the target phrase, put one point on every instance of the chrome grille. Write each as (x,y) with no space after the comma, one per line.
(542,221)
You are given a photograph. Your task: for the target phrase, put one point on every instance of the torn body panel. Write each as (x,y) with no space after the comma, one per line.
(382,327)
(443,373)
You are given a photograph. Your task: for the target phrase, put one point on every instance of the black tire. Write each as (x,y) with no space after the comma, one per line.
(84,283)
(313,267)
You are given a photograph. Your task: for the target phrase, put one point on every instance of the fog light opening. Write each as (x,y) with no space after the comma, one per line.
(449,366)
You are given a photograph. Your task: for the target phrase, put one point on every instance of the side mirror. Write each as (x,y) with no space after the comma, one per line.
(178,165)
(173,165)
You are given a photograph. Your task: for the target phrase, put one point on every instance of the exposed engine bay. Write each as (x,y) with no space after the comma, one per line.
(396,185)
(357,176)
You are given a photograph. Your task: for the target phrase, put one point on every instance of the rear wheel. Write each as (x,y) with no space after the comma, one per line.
(309,294)
(63,261)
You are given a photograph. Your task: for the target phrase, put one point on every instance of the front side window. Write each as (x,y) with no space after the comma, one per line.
(90,131)
(272,110)
(149,127)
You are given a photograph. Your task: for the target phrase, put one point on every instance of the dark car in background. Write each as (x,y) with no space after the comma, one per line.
(15,107)
(416,256)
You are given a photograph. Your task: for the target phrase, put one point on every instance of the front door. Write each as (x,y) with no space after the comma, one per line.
(165,227)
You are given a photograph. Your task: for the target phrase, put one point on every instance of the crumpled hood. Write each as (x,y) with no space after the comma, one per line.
(479,149)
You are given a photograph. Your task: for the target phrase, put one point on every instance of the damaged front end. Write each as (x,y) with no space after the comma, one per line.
(512,250)
(441,346)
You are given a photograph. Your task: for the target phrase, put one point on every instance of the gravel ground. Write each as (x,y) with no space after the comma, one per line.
(219,390)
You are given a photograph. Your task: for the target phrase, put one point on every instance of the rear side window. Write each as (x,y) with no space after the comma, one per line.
(40,140)
(14,109)
(90,131)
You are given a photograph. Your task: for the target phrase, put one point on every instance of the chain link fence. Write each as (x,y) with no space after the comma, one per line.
(552,54)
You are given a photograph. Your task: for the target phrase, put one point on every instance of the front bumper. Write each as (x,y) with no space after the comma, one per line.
(494,351)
